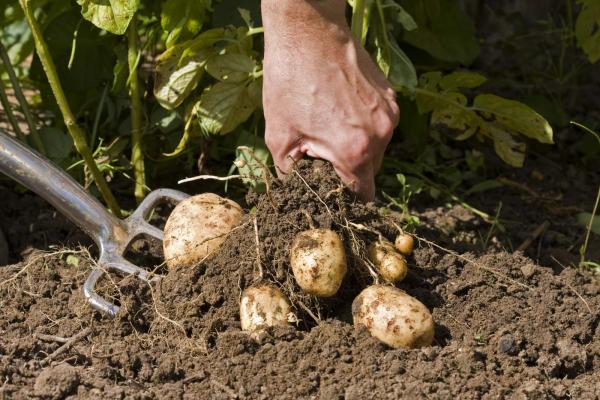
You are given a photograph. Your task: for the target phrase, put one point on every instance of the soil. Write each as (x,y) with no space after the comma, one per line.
(506,326)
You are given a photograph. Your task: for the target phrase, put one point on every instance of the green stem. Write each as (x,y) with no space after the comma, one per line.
(75,131)
(358,16)
(9,114)
(589,228)
(35,137)
(137,155)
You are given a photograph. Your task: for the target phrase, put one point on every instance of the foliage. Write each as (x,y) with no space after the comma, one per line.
(199,68)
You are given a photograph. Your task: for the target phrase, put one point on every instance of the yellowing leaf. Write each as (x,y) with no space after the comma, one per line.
(111,15)
(225,105)
(509,150)
(515,117)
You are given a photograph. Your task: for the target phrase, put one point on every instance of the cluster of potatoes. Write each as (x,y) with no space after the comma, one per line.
(200,224)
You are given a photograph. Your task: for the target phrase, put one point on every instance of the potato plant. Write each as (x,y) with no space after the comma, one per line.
(153,84)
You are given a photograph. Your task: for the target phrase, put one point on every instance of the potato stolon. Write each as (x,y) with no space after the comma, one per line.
(393,317)
(263,306)
(198,226)
(318,261)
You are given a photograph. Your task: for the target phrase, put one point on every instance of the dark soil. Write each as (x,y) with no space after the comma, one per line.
(505,326)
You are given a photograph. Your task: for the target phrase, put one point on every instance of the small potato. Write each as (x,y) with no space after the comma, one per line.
(263,306)
(197,227)
(405,243)
(393,317)
(390,264)
(318,261)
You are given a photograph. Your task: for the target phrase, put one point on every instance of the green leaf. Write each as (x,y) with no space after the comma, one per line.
(462,79)
(252,159)
(57,143)
(225,105)
(514,116)
(180,68)
(587,29)
(491,116)
(444,30)
(72,260)
(509,150)
(230,67)
(182,19)
(401,16)
(585,218)
(111,15)
(483,186)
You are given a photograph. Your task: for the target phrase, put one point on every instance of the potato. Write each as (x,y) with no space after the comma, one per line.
(393,317)
(263,306)
(318,261)
(197,227)
(390,264)
(405,243)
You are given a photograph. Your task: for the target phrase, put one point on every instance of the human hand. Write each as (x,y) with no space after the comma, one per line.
(323,96)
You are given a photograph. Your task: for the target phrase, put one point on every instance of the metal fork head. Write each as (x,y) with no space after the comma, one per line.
(113,247)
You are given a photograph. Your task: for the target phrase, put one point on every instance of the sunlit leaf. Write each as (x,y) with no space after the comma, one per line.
(232,67)
(252,159)
(515,117)
(180,68)
(225,105)
(183,19)
(111,15)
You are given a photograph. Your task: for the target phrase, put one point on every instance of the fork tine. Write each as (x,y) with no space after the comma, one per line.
(94,299)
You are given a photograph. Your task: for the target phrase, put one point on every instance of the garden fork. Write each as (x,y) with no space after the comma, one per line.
(111,234)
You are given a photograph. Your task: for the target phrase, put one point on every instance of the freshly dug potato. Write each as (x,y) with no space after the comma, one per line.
(263,306)
(198,226)
(405,243)
(393,317)
(390,264)
(318,261)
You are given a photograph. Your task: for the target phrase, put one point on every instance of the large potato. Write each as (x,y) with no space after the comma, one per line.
(198,226)
(390,264)
(393,317)
(263,306)
(318,261)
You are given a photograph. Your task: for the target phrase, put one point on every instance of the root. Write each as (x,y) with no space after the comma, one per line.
(258,258)
(68,344)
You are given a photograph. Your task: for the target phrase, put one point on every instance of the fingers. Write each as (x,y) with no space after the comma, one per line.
(284,147)
(361,182)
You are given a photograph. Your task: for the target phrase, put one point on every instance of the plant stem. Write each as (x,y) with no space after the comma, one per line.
(9,114)
(137,155)
(35,137)
(358,16)
(589,228)
(69,119)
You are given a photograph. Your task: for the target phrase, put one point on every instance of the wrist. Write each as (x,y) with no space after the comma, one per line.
(290,13)
(295,22)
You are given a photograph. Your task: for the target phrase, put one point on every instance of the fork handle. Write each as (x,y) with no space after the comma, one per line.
(58,188)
